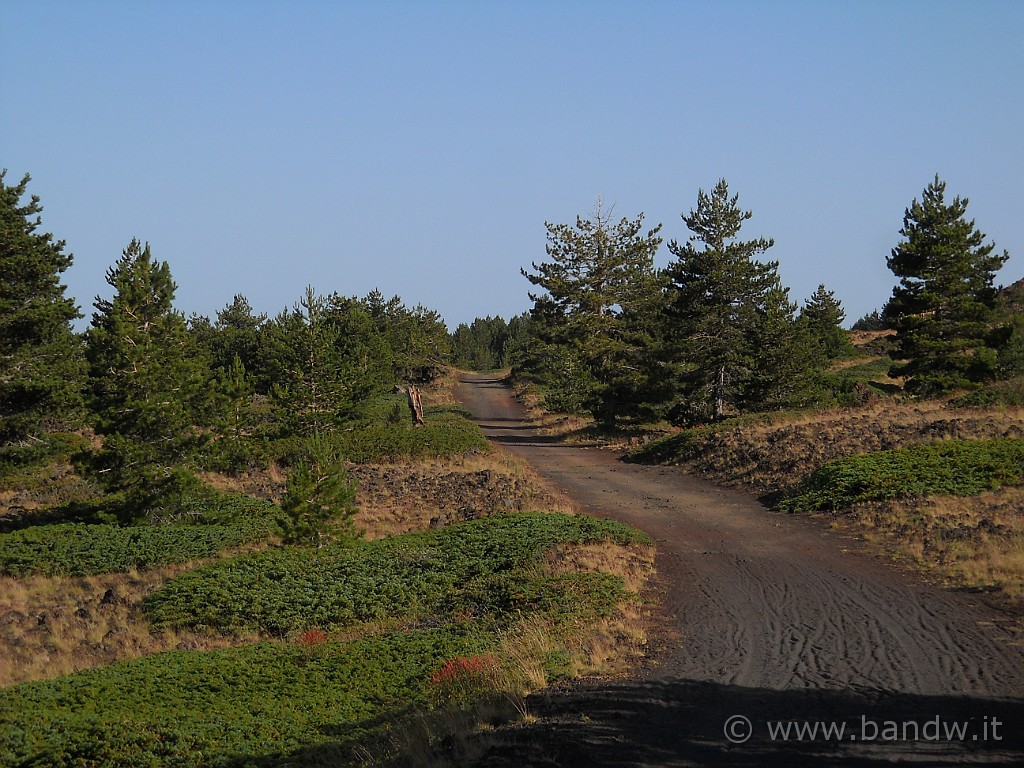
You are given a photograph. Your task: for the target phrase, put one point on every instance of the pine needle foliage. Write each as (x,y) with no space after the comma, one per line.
(943,306)
(41,364)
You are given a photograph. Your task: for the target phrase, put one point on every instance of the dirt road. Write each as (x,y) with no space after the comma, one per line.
(766,619)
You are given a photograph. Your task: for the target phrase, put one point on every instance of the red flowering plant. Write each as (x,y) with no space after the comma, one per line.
(312,638)
(466,677)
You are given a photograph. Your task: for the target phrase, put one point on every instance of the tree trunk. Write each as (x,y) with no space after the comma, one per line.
(415,404)
(720,394)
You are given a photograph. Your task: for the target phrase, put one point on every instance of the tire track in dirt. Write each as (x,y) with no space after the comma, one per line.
(776,613)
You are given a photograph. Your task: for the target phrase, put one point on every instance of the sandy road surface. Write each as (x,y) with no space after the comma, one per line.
(772,618)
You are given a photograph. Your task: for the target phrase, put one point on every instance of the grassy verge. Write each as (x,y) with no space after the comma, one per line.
(944,467)
(977,541)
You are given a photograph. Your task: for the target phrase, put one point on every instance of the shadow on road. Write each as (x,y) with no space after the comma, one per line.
(683,723)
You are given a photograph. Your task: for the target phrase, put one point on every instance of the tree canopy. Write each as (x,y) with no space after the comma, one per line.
(943,306)
(41,364)
(599,283)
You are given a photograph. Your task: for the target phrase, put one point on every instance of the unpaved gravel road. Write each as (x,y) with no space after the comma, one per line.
(766,619)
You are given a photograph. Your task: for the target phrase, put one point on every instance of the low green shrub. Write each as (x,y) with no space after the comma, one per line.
(868,371)
(954,467)
(258,705)
(447,432)
(76,549)
(1001,394)
(678,447)
(390,436)
(481,567)
(317,701)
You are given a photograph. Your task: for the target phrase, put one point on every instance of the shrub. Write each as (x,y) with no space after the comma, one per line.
(263,704)
(447,431)
(1001,394)
(76,549)
(481,567)
(954,467)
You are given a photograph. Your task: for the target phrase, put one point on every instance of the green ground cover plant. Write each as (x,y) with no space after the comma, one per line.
(448,431)
(999,394)
(676,447)
(264,704)
(312,698)
(78,549)
(953,467)
(482,567)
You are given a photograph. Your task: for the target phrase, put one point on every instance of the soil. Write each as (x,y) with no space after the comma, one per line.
(768,617)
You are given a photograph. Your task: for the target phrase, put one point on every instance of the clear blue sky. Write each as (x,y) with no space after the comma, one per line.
(419,147)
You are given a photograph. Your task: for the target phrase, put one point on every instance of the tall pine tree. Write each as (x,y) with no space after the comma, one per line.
(732,337)
(943,306)
(600,288)
(145,383)
(41,364)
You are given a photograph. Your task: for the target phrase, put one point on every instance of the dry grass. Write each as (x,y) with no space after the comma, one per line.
(975,541)
(860,338)
(566,425)
(767,457)
(51,626)
(409,496)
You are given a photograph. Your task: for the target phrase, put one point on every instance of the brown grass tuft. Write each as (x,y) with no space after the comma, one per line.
(975,541)
(51,626)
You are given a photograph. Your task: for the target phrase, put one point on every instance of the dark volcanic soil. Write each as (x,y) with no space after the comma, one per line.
(766,619)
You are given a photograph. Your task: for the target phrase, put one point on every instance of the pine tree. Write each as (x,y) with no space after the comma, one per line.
(145,382)
(599,282)
(823,316)
(236,333)
(732,322)
(320,500)
(41,364)
(315,386)
(943,306)
(871,321)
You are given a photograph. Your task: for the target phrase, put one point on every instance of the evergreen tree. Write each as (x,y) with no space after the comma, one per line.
(237,334)
(320,500)
(599,285)
(146,383)
(481,345)
(518,340)
(1010,321)
(418,338)
(732,322)
(788,358)
(41,364)
(943,306)
(319,381)
(363,346)
(871,321)
(823,316)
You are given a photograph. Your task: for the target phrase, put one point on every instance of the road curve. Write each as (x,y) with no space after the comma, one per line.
(772,618)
